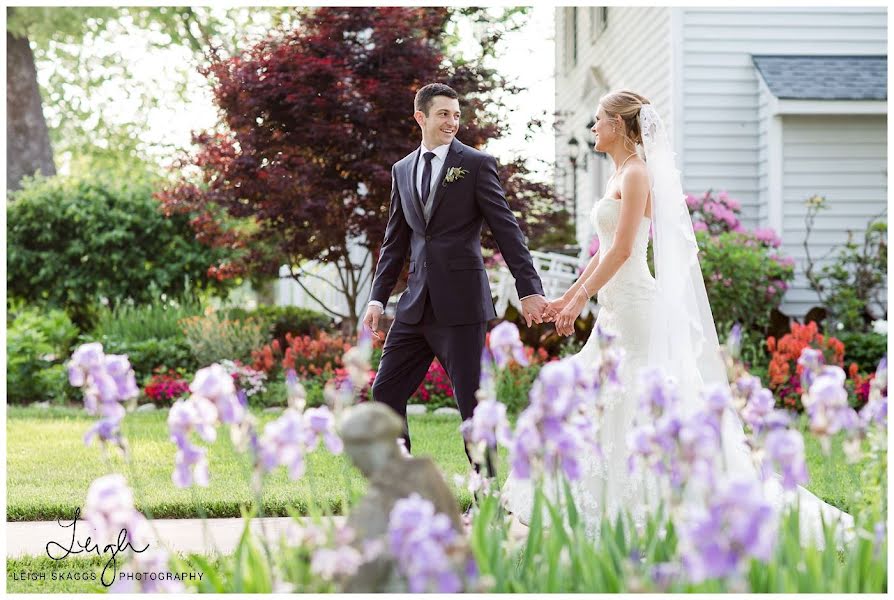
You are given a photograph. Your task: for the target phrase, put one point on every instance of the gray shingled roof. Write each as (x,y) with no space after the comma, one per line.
(825,77)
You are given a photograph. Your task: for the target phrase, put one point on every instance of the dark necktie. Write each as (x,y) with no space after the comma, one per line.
(426,177)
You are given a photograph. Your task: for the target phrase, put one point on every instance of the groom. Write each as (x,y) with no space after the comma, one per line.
(441,194)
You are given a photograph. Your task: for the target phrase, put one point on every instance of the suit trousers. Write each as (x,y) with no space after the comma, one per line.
(408,353)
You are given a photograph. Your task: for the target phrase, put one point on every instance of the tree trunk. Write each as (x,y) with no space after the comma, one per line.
(28,147)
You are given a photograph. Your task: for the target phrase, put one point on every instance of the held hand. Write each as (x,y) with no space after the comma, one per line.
(532,309)
(555,307)
(569,314)
(371,320)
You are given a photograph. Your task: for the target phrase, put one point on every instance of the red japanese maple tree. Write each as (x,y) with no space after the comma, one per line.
(313,119)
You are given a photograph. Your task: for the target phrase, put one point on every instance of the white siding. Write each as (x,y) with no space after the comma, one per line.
(623,59)
(763,158)
(721,107)
(844,159)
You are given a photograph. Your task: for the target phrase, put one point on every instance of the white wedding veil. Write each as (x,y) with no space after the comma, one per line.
(683,338)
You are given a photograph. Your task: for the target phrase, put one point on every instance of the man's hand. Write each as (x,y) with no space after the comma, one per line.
(371,320)
(532,309)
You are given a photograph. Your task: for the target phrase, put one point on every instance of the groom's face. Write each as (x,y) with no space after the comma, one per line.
(439,126)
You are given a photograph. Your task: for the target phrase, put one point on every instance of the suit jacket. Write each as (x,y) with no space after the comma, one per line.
(445,253)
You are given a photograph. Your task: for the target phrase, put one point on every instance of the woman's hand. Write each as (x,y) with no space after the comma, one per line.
(570,312)
(554,307)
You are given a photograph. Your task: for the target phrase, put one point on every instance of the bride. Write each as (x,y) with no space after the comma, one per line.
(663,322)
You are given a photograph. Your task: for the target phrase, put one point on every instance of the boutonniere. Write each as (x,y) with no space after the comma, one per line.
(454,174)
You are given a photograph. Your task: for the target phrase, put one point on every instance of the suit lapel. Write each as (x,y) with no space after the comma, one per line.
(409,177)
(454,159)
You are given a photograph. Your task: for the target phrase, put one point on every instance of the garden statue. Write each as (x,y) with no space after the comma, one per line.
(370,432)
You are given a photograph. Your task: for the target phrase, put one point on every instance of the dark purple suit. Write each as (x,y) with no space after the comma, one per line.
(447,304)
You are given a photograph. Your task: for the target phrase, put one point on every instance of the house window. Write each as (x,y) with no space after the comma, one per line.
(570,37)
(598,21)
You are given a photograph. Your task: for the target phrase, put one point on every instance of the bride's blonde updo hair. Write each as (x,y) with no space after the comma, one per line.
(626,104)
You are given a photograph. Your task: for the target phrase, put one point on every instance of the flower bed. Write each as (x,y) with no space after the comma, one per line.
(700,549)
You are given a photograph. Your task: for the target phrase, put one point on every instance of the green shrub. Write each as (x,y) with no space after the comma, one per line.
(744,278)
(314,388)
(149,334)
(280,320)
(274,395)
(213,338)
(514,386)
(376,358)
(852,284)
(72,240)
(157,319)
(865,349)
(151,353)
(752,350)
(38,343)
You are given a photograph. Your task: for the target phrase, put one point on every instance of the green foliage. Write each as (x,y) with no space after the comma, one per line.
(149,334)
(276,395)
(743,279)
(855,280)
(213,338)
(257,567)
(73,240)
(280,320)
(38,343)
(556,238)
(752,351)
(157,319)
(514,385)
(42,24)
(853,284)
(556,556)
(865,349)
(798,569)
(83,75)
(148,354)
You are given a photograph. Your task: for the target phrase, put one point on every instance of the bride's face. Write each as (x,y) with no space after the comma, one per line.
(604,128)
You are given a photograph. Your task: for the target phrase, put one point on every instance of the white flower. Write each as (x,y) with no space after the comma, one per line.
(880,326)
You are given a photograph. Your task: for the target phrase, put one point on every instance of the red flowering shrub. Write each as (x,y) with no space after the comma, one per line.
(436,390)
(784,371)
(366,393)
(166,387)
(858,386)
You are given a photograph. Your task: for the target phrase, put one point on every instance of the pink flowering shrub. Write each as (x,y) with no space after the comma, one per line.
(745,275)
(714,215)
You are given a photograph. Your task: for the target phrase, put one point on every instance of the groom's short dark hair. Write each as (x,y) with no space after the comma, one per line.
(427,93)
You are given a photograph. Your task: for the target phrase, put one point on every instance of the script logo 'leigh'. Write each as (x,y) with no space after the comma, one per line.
(89,546)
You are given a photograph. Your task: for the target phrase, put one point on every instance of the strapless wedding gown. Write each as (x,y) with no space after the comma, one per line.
(624,304)
(606,482)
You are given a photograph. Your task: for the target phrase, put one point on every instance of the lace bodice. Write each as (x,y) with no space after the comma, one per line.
(633,279)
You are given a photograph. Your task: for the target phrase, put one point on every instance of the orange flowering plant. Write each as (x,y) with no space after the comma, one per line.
(784,371)
(308,356)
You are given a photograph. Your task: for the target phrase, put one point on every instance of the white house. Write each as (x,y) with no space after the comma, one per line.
(771,105)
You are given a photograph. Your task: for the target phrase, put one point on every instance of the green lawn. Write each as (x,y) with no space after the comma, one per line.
(49,469)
